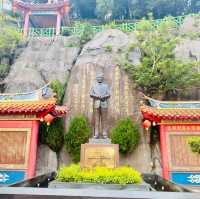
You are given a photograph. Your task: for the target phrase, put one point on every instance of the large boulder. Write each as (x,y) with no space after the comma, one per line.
(43,60)
(106,52)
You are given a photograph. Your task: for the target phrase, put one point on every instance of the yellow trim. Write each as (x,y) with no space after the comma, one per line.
(52,99)
(178,123)
(19,119)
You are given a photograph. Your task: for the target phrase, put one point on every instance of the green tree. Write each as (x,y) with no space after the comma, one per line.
(84,8)
(139,9)
(159,72)
(104,9)
(9,38)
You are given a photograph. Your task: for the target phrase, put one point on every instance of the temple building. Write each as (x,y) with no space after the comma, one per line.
(20,115)
(43,15)
(178,122)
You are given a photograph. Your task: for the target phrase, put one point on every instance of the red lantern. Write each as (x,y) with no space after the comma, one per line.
(48,118)
(147,124)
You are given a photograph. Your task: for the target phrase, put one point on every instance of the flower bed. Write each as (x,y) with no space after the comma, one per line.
(99,175)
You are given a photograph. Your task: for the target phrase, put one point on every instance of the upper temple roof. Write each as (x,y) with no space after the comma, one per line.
(37,102)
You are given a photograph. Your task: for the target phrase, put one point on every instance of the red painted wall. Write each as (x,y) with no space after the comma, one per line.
(177,129)
(33,126)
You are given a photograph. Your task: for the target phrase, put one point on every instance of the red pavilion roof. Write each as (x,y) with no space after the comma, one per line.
(155,114)
(171,110)
(31,107)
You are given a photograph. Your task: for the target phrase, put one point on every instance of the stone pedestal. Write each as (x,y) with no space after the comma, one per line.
(99,152)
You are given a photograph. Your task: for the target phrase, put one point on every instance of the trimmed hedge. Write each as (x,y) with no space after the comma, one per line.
(126,134)
(121,175)
(78,133)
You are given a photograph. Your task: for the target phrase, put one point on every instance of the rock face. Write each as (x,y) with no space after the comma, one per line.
(104,52)
(189,48)
(46,160)
(43,60)
(190,25)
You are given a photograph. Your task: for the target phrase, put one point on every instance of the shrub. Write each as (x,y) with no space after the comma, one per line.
(126,134)
(57,87)
(52,135)
(121,175)
(108,48)
(78,133)
(195,144)
(86,35)
(72,45)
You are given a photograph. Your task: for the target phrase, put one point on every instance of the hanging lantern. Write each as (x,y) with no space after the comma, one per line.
(147,124)
(48,119)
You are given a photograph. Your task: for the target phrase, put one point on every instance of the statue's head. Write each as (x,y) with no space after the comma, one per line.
(100,77)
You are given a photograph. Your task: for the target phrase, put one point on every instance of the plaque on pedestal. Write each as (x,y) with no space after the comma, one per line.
(105,155)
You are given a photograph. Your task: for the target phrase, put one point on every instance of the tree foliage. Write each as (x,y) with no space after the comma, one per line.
(133,9)
(9,38)
(104,9)
(159,72)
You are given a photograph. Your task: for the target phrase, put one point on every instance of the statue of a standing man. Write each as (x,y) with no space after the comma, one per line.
(100,93)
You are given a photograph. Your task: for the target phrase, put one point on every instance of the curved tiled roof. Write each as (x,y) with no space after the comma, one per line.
(170,110)
(169,114)
(26,107)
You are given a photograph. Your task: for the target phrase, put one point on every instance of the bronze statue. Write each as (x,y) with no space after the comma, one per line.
(100,93)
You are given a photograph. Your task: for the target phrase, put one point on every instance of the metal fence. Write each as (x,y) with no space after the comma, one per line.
(79,28)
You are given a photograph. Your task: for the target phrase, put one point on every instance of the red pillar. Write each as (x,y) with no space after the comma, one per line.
(58,23)
(33,149)
(26,23)
(164,154)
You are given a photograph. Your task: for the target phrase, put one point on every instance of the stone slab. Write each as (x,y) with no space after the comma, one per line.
(49,193)
(93,155)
